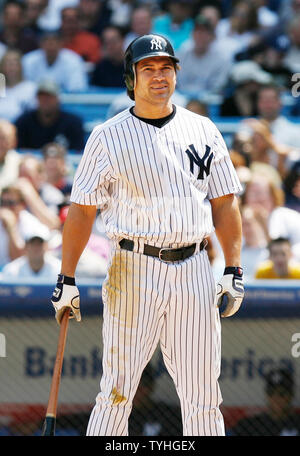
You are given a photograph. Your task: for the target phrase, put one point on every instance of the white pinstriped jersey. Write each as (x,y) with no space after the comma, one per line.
(152,182)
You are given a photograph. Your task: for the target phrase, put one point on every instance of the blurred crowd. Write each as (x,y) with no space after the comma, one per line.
(245,53)
(81,43)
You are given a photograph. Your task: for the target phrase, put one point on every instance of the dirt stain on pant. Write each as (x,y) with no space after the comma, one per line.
(116,397)
(121,292)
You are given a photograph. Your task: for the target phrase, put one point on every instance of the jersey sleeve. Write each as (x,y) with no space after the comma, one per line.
(94,173)
(223,178)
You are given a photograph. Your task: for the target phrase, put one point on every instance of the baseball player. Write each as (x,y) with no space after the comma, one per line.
(163,181)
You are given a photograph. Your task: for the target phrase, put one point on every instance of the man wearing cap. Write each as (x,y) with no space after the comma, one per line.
(48,123)
(203,67)
(36,262)
(247,77)
(279,418)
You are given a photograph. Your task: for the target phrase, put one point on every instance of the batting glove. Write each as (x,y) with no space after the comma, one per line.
(231,285)
(66,294)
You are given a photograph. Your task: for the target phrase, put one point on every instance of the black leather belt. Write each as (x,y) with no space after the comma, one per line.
(164,254)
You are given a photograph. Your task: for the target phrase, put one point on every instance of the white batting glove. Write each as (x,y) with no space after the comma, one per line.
(232,286)
(66,294)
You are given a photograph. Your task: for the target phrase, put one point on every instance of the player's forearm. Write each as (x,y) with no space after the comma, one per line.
(228,226)
(76,233)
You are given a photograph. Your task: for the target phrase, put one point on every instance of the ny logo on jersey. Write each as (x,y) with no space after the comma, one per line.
(156,43)
(204,163)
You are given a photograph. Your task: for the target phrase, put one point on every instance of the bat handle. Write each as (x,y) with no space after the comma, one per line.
(53,396)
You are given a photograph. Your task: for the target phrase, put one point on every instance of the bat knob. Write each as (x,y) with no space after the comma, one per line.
(49,426)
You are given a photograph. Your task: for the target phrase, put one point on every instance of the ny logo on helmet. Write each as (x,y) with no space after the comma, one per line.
(156,43)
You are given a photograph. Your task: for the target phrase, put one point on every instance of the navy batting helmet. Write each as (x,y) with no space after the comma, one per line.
(143,47)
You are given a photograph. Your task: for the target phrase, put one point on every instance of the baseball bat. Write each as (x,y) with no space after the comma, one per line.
(50,420)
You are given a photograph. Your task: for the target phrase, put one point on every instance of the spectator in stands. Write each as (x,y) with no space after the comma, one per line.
(36,263)
(33,11)
(109,71)
(121,11)
(237,31)
(211,12)
(280,417)
(50,19)
(292,57)
(177,23)
(94,15)
(265,149)
(49,123)
(291,187)
(150,417)
(19,93)
(13,34)
(255,241)
(51,61)
(16,224)
(140,24)
(241,148)
(272,57)
(268,202)
(84,43)
(197,106)
(246,77)
(41,198)
(56,169)
(269,106)
(9,157)
(203,68)
(280,264)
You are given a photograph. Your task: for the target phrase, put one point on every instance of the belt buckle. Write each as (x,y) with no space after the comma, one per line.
(159,254)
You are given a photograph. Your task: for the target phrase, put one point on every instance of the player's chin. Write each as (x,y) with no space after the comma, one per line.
(162,92)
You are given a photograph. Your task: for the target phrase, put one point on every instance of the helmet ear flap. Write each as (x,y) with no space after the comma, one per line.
(129,81)
(130,78)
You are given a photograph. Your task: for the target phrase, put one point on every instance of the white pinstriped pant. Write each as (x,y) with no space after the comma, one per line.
(147,301)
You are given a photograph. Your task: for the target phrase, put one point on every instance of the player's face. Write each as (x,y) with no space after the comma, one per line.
(155,79)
